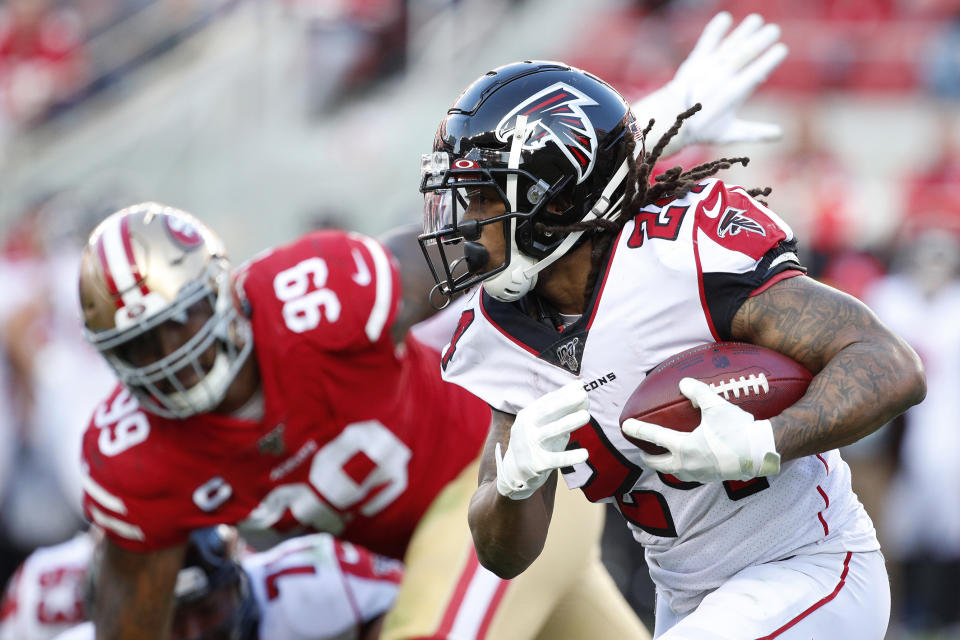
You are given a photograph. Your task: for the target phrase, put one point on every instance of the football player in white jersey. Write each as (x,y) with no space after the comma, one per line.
(308,588)
(538,189)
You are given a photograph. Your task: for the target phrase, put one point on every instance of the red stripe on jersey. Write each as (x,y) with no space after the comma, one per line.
(351,598)
(492,609)
(826,500)
(273,591)
(505,333)
(703,294)
(466,577)
(825,465)
(545,103)
(107,274)
(783,275)
(603,282)
(823,601)
(128,250)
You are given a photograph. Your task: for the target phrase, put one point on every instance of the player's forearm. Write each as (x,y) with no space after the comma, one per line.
(120,619)
(865,375)
(509,534)
(860,389)
(134,594)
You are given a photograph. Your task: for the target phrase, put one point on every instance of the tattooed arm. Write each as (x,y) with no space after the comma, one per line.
(508,534)
(134,593)
(864,374)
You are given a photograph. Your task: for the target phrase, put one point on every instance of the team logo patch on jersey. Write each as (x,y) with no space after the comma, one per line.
(555,115)
(272,443)
(733,222)
(567,355)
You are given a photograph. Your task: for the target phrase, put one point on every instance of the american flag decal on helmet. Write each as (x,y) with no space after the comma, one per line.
(555,115)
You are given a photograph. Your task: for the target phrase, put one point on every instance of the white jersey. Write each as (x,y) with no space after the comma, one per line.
(319,588)
(308,588)
(45,595)
(675,278)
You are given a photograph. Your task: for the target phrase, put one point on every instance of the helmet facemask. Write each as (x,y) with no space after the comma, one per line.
(158,385)
(449,241)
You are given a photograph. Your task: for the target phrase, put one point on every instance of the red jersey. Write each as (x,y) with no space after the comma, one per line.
(357,437)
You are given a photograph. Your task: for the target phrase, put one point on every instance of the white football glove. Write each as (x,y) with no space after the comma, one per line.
(720,73)
(728,445)
(537,441)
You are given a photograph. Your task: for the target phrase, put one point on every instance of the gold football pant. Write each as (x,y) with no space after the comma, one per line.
(565,594)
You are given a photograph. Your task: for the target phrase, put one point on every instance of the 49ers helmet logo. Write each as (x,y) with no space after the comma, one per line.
(555,115)
(184,233)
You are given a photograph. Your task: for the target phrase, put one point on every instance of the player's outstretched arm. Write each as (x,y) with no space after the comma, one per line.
(722,71)
(865,375)
(134,593)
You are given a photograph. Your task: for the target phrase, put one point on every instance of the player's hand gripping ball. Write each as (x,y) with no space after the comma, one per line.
(760,381)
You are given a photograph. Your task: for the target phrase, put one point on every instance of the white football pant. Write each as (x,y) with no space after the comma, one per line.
(822,596)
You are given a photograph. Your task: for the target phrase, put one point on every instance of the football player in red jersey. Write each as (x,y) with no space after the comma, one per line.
(275,396)
(591,276)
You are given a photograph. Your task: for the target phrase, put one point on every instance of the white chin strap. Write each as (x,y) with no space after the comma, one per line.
(520,276)
(208,392)
(521,273)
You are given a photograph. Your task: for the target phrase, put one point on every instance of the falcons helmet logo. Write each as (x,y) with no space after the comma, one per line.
(556,115)
(733,222)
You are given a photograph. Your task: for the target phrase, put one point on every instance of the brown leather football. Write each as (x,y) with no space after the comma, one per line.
(761,381)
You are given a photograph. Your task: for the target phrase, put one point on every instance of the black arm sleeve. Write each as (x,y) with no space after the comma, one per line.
(725,292)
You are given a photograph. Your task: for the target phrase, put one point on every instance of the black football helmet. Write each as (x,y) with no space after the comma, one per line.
(552,141)
(211,565)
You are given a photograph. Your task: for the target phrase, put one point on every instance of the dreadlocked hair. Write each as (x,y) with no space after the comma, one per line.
(673,183)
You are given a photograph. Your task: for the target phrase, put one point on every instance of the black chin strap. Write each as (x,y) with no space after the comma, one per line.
(542,311)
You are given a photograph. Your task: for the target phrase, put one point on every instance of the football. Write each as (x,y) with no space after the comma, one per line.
(760,381)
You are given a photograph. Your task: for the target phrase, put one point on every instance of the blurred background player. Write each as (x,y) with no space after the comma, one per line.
(40,476)
(919,496)
(308,587)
